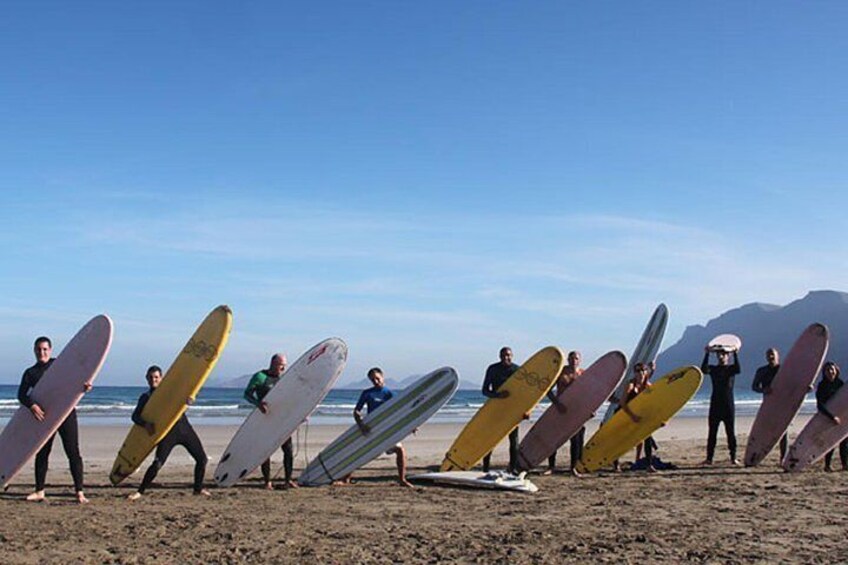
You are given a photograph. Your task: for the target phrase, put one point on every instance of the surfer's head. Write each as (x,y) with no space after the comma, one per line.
(153,376)
(723,357)
(772,356)
(574,359)
(42,349)
(278,364)
(830,371)
(506,355)
(375,375)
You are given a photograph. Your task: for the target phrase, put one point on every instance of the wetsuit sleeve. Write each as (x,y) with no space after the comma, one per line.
(488,390)
(136,415)
(551,394)
(251,392)
(24,389)
(736,368)
(757,385)
(705,364)
(361,402)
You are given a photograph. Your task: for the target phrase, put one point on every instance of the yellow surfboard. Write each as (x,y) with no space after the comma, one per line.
(655,406)
(178,388)
(499,416)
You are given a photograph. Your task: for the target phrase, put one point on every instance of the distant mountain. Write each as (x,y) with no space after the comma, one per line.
(762,326)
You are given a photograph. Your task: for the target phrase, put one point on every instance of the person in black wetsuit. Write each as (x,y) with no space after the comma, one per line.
(829,384)
(762,384)
(722,408)
(68,430)
(641,373)
(567,376)
(259,386)
(496,375)
(181,434)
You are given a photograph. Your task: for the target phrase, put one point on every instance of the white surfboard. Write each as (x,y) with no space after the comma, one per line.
(498,480)
(725,342)
(300,389)
(57,392)
(389,424)
(645,352)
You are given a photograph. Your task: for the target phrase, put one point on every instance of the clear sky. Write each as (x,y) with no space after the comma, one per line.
(427,180)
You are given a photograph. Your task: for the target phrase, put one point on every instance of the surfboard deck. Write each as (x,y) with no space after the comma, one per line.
(299,390)
(655,406)
(791,384)
(820,435)
(499,416)
(59,390)
(494,480)
(645,352)
(581,399)
(394,420)
(725,342)
(180,385)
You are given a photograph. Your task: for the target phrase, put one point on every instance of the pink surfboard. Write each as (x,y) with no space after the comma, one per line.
(789,387)
(58,392)
(820,435)
(581,399)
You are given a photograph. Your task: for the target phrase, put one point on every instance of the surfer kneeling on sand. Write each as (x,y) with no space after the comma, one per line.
(181,434)
(372,399)
(639,382)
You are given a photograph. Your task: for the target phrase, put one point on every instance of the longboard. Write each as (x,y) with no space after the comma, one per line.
(290,402)
(497,480)
(59,390)
(179,387)
(820,435)
(655,406)
(499,416)
(581,399)
(645,352)
(788,389)
(393,421)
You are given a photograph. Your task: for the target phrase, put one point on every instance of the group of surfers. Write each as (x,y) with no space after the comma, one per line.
(721,411)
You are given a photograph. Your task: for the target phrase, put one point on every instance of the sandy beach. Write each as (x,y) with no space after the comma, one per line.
(716,514)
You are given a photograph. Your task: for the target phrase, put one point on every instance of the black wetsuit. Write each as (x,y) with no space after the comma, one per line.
(181,434)
(825,392)
(68,431)
(496,375)
(722,408)
(259,386)
(762,379)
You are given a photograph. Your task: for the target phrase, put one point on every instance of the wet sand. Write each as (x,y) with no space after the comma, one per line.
(714,514)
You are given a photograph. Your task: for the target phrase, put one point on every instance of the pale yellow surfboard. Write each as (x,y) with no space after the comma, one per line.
(499,416)
(655,406)
(179,386)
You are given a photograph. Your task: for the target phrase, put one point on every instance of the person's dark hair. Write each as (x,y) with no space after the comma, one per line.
(834,365)
(504,349)
(639,366)
(152,369)
(43,339)
(373,371)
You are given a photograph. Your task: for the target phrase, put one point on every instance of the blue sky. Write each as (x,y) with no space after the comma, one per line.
(428,181)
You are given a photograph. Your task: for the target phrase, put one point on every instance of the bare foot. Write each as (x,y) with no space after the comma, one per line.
(36,496)
(81,498)
(652,469)
(735,462)
(547,472)
(342,483)
(575,472)
(827,468)
(202,492)
(706,463)
(405,483)
(290,484)
(269,486)
(134,496)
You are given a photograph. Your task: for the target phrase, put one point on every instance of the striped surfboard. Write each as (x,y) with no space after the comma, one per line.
(395,419)
(645,352)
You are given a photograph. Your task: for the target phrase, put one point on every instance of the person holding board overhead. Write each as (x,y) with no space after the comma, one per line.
(259,386)
(722,408)
(496,375)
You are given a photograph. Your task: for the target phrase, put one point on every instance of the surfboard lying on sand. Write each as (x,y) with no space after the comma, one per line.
(645,352)
(393,421)
(499,416)
(290,402)
(820,435)
(59,390)
(581,399)
(791,384)
(179,387)
(654,406)
(498,480)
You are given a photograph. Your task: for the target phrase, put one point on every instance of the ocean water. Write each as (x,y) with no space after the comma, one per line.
(107,405)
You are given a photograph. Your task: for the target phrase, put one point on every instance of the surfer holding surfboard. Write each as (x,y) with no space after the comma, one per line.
(829,384)
(722,409)
(569,373)
(762,384)
(496,375)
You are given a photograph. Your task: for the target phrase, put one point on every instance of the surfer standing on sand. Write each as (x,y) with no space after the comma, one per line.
(827,387)
(569,373)
(496,375)
(259,386)
(762,384)
(181,434)
(372,399)
(68,431)
(722,408)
